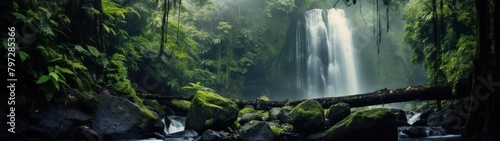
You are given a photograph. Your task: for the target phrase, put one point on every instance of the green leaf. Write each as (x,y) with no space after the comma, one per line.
(23,55)
(82,50)
(56,84)
(65,70)
(93,51)
(54,75)
(43,79)
(20,16)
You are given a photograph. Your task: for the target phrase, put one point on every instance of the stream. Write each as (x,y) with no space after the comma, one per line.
(421,133)
(174,131)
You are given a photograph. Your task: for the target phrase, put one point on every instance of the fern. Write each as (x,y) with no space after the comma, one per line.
(93,51)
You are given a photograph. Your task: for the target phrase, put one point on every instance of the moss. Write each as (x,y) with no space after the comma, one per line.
(209,122)
(338,112)
(210,106)
(361,120)
(263,98)
(276,130)
(183,105)
(153,105)
(308,108)
(236,125)
(147,117)
(308,116)
(246,110)
(263,114)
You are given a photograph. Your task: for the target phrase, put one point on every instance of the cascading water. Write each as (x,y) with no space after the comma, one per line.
(323,61)
(176,124)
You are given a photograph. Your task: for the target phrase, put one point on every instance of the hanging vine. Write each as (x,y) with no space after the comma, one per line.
(178,22)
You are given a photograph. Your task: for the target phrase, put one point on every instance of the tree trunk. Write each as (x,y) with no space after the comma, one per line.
(475,126)
(422,92)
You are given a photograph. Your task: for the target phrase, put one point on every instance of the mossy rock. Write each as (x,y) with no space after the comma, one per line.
(372,124)
(246,110)
(181,107)
(118,118)
(153,105)
(308,117)
(338,112)
(256,131)
(249,117)
(280,129)
(211,111)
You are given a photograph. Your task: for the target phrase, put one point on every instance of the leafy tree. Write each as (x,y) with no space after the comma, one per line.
(442,37)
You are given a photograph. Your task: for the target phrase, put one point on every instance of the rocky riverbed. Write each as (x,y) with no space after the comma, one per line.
(209,116)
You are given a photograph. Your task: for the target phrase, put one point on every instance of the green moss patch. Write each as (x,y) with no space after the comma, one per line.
(308,117)
(211,111)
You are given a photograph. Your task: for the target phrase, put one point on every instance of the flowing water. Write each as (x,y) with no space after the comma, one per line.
(323,63)
(176,124)
(414,118)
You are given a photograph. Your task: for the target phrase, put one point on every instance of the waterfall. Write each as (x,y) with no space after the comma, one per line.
(414,118)
(176,124)
(323,59)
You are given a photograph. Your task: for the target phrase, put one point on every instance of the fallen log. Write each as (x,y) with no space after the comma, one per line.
(383,96)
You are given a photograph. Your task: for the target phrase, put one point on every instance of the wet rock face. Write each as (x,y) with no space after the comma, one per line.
(400,116)
(338,112)
(273,113)
(49,123)
(82,133)
(373,124)
(281,114)
(118,118)
(211,135)
(211,111)
(445,117)
(308,117)
(256,131)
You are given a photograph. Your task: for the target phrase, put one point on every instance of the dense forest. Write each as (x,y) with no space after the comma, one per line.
(78,53)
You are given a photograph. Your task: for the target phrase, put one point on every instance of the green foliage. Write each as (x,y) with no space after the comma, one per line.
(197,87)
(286,6)
(451,59)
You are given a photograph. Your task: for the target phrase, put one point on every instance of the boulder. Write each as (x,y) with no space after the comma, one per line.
(181,107)
(153,105)
(51,122)
(249,117)
(211,111)
(83,133)
(315,137)
(422,119)
(211,135)
(273,113)
(308,117)
(445,117)
(338,112)
(118,118)
(256,131)
(372,124)
(401,118)
(246,110)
